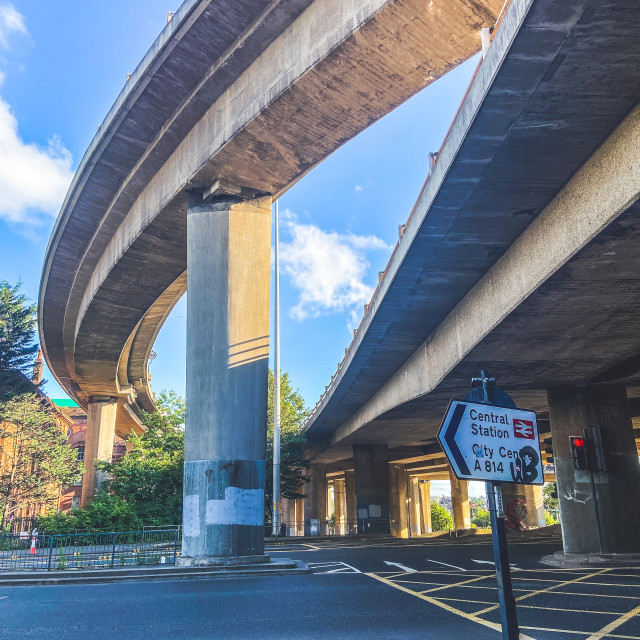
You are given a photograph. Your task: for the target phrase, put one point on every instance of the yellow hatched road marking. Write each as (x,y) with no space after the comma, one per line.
(615,624)
(579,633)
(457,584)
(463,600)
(539,591)
(604,613)
(442,605)
(595,595)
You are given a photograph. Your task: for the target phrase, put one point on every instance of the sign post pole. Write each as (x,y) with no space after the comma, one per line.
(486,437)
(508,615)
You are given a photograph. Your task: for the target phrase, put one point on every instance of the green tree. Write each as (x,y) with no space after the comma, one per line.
(17,330)
(441,518)
(481,518)
(551,505)
(149,477)
(293,463)
(145,487)
(38,463)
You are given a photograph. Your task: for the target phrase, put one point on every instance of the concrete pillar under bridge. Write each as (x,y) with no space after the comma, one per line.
(371,476)
(398,501)
(315,503)
(101,429)
(228,263)
(571,410)
(460,502)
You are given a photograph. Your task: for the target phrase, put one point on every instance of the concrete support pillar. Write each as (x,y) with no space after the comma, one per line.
(398,501)
(618,489)
(371,473)
(101,429)
(340,506)
(315,504)
(424,493)
(535,505)
(228,263)
(350,499)
(460,502)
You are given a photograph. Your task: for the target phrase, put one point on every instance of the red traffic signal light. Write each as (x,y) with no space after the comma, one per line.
(579,452)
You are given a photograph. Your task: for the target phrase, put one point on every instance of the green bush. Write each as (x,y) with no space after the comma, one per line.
(441,518)
(106,513)
(481,518)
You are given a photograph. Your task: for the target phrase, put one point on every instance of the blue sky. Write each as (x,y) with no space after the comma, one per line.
(62,66)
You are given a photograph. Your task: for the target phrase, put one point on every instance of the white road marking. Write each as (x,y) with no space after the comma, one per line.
(513,566)
(341,567)
(453,566)
(401,567)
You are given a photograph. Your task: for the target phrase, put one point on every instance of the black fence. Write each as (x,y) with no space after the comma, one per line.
(329,528)
(24,552)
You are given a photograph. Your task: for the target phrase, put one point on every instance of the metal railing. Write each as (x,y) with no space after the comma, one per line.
(329,528)
(89,550)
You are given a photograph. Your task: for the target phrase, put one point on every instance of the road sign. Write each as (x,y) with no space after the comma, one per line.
(494,444)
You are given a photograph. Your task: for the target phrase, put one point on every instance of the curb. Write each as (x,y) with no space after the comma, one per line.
(595,560)
(97,576)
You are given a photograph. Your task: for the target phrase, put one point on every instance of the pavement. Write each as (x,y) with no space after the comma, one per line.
(432,588)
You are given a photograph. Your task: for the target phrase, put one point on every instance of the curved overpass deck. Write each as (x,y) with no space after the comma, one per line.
(519,252)
(252,93)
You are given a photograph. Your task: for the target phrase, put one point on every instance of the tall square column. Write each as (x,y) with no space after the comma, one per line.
(228,263)
(101,430)
(398,501)
(315,504)
(371,475)
(460,502)
(572,409)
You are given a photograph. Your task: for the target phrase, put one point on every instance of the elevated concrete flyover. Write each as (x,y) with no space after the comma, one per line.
(520,257)
(232,104)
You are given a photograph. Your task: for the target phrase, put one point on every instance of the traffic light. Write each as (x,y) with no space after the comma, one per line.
(579,452)
(548,449)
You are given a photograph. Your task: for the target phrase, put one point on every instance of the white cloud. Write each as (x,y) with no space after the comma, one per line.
(10,22)
(328,269)
(357,188)
(33,180)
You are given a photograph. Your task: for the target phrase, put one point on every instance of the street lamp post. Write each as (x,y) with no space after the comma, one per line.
(276,392)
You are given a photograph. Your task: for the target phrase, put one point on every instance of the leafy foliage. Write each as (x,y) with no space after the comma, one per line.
(293,413)
(551,504)
(145,487)
(37,462)
(150,476)
(441,518)
(17,330)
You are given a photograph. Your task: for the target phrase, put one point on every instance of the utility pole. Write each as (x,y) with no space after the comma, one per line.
(276,393)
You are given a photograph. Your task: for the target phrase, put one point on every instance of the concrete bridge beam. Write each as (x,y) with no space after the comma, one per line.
(101,429)
(228,258)
(571,410)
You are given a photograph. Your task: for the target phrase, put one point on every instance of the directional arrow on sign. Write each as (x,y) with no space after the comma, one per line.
(491,443)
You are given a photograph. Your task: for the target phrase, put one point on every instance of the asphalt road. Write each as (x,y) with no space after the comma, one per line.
(442,589)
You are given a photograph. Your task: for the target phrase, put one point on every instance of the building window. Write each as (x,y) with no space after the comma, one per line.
(75,502)
(80,454)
